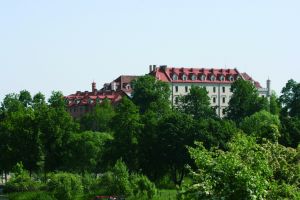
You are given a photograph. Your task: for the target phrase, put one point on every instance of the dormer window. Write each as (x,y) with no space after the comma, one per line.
(193,77)
(222,78)
(212,78)
(202,77)
(184,77)
(175,77)
(231,78)
(77,101)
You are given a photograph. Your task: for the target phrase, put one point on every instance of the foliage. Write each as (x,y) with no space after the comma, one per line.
(85,150)
(262,125)
(21,181)
(246,171)
(274,104)
(127,127)
(65,186)
(151,93)
(99,118)
(39,195)
(290,99)
(142,186)
(197,103)
(244,101)
(116,181)
(290,134)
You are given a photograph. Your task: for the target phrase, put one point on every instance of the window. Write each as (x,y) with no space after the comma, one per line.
(184,77)
(176,100)
(223,89)
(193,77)
(175,77)
(202,77)
(231,78)
(222,78)
(224,99)
(214,99)
(214,89)
(212,78)
(176,88)
(186,88)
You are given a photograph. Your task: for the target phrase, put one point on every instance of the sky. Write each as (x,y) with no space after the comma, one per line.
(66,44)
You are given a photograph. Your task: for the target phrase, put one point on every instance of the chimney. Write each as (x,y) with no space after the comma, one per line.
(269,87)
(154,67)
(163,67)
(94,86)
(150,68)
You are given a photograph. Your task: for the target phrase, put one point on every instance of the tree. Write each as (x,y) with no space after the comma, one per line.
(151,93)
(262,125)
(175,133)
(99,119)
(244,101)
(246,171)
(85,150)
(127,127)
(56,126)
(25,98)
(290,133)
(290,99)
(274,104)
(197,103)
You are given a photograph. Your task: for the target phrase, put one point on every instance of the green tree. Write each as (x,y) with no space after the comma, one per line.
(262,125)
(290,133)
(99,119)
(65,186)
(197,103)
(244,101)
(175,133)
(127,127)
(274,104)
(25,98)
(151,93)
(56,126)
(290,99)
(85,150)
(246,171)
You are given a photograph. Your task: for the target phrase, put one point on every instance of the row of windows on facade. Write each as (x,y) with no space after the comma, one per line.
(214,100)
(202,77)
(186,88)
(90,101)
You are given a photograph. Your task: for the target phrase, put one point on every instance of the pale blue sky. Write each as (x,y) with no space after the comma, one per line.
(66,44)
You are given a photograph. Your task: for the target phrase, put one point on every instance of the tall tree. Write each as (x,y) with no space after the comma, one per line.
(56,126)
(244,101)
(274,104)
(151,93)
(99,119)
(127,127)
(197,103)
(290,99)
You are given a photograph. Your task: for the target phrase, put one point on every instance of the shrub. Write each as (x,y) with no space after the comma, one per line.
(65,186)
(142,186)
(30,196)
(116,182)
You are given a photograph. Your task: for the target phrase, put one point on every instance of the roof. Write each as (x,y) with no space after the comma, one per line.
(194,75)
(249,78)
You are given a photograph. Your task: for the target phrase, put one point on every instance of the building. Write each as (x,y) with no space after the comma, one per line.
(216,81)
(80,102)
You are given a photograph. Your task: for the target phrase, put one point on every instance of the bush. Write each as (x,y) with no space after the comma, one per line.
(142,186)
(65,186)
(30,196)
(116,182)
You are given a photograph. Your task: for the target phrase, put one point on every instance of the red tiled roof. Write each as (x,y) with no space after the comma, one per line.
(166,74)
(249,78)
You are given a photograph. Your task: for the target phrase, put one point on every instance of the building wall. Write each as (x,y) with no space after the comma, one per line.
(218,97)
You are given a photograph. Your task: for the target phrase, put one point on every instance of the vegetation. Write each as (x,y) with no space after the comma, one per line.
(147,148)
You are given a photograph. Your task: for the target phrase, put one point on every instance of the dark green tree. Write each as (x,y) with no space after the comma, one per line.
(99,119)
(85,150)
(197,103)
(290,99)
(244,101)
(151,93)
(127,127)
(274,104)
(25,98)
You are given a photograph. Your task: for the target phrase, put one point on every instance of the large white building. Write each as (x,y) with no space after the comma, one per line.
(216,81)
